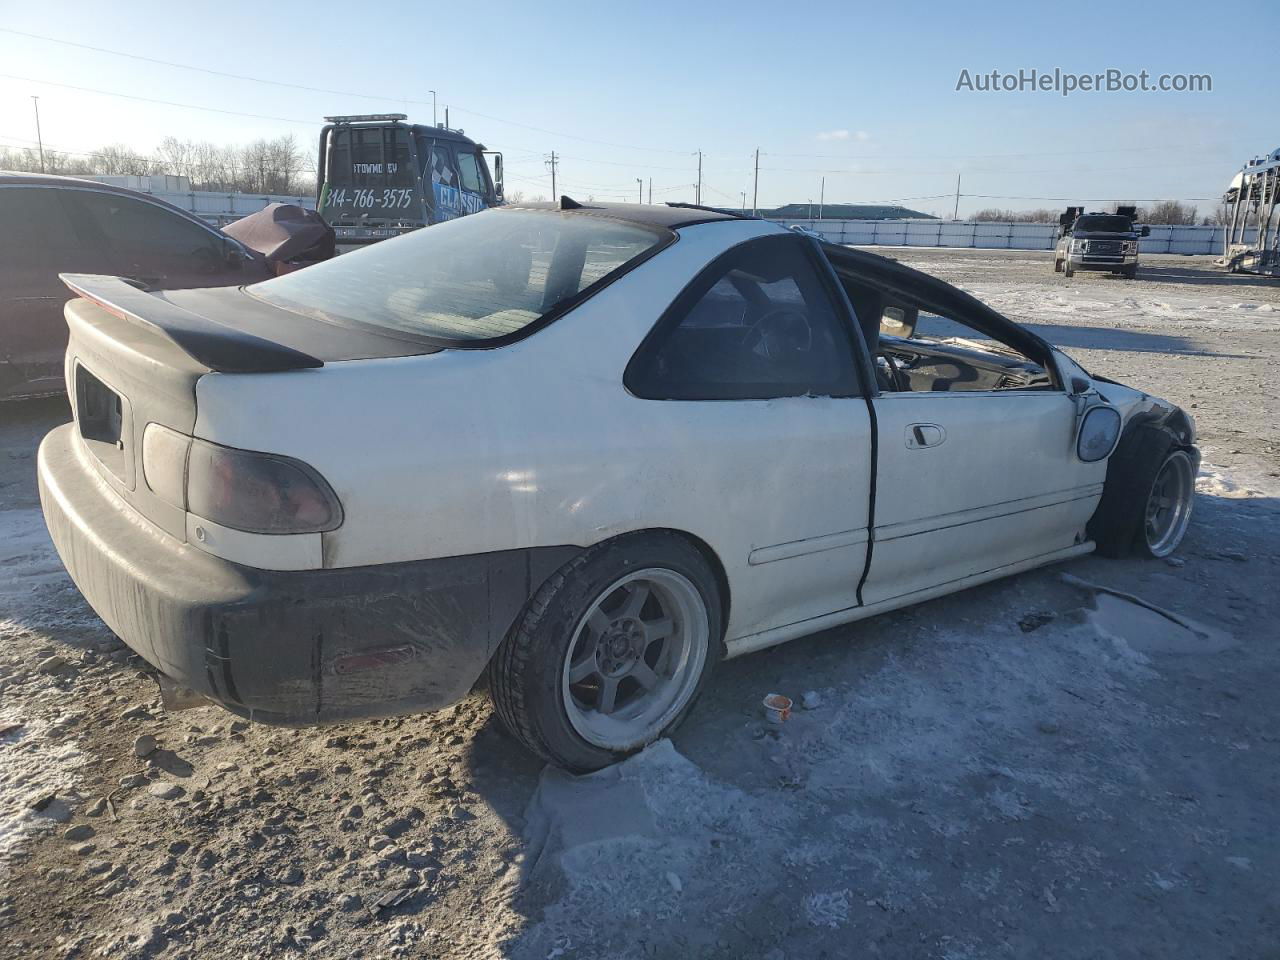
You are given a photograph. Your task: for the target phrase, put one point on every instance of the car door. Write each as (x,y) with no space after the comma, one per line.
(154,244)
(471,179)
(752,373)
(445,193)
(40,241)
(972,478)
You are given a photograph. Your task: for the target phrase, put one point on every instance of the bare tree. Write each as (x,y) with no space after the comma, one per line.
(1171,212)
(995,215)
(264,166)
(1218,217)
(116,158)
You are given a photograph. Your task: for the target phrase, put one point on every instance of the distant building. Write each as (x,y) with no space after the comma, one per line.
(844,211)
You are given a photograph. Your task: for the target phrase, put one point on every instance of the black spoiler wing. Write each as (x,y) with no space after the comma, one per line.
(220,347)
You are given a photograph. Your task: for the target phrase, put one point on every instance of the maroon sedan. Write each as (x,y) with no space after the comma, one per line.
(51,225)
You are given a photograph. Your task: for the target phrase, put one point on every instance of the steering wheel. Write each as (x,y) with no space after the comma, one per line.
(779,329)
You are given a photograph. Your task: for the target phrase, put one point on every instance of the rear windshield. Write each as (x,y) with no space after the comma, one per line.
(1104,224)
(474,279)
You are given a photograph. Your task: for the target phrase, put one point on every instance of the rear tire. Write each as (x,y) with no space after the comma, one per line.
(611,652)
(1067,269)
(1148,497)
(1057,266)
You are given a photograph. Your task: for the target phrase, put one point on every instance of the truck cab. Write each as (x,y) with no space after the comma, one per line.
(1098,241)
(380,176)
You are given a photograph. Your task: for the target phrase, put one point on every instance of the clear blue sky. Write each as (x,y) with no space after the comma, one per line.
(863,94)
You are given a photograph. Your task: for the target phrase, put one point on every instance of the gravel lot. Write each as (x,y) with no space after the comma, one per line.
(1030,768)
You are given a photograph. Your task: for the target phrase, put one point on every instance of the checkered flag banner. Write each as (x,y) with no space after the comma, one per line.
(441,172)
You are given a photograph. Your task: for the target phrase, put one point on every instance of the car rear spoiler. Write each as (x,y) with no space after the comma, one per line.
(220,347)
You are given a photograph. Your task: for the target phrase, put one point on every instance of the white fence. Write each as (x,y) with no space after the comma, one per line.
(996,236)
(221,208)
(218,209)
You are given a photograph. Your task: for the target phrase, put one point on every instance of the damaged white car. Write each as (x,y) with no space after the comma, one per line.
(585,451)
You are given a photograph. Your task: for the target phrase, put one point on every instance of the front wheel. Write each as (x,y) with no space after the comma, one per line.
(1148,497)
(611,652)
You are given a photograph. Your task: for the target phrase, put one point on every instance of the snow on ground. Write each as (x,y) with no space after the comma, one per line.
(1032,768)
(39,755)
(968,735)
(1128,305)
(34,765)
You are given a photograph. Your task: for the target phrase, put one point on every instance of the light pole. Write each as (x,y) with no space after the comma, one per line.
(433,107)
(755,188)
(35,101)
(640,182)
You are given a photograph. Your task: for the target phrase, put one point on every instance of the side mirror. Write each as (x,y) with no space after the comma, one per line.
(1145,231)
(899,322)
(497,173)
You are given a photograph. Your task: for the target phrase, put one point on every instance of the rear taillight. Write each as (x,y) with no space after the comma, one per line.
(241,489)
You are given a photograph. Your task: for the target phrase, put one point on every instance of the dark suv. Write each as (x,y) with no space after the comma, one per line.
(51,225)
(1099,241)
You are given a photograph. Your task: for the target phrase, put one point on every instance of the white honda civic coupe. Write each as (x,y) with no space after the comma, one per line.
(586,452)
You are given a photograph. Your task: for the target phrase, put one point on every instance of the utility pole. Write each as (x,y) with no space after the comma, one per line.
(640,180)
(433,108)
(822,196)
(651,189)
(39,139)
(755,188)
(744,200)
(697,196)
(552,164)
(446,118)
(955,213)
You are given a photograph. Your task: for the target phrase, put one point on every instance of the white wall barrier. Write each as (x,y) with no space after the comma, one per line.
(997,236)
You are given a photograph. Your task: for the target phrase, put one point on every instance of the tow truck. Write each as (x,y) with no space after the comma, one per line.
(380,176)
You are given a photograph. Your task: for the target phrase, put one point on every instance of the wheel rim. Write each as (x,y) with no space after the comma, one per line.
(635,658)
(1168,509)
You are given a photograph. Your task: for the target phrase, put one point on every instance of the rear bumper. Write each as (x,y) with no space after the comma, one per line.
(290,647)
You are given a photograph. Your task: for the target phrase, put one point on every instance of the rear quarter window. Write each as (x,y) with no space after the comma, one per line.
(474,281)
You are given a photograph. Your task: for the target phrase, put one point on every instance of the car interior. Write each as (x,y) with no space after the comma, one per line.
(917,347)
(759,325)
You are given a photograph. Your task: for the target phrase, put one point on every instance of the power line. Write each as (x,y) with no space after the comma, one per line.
(167,103)
(385,97)
(310,89)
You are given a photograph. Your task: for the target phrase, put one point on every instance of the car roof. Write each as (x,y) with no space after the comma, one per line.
(17,178)
(672,216)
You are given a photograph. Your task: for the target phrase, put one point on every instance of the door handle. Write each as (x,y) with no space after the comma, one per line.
(921,435)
